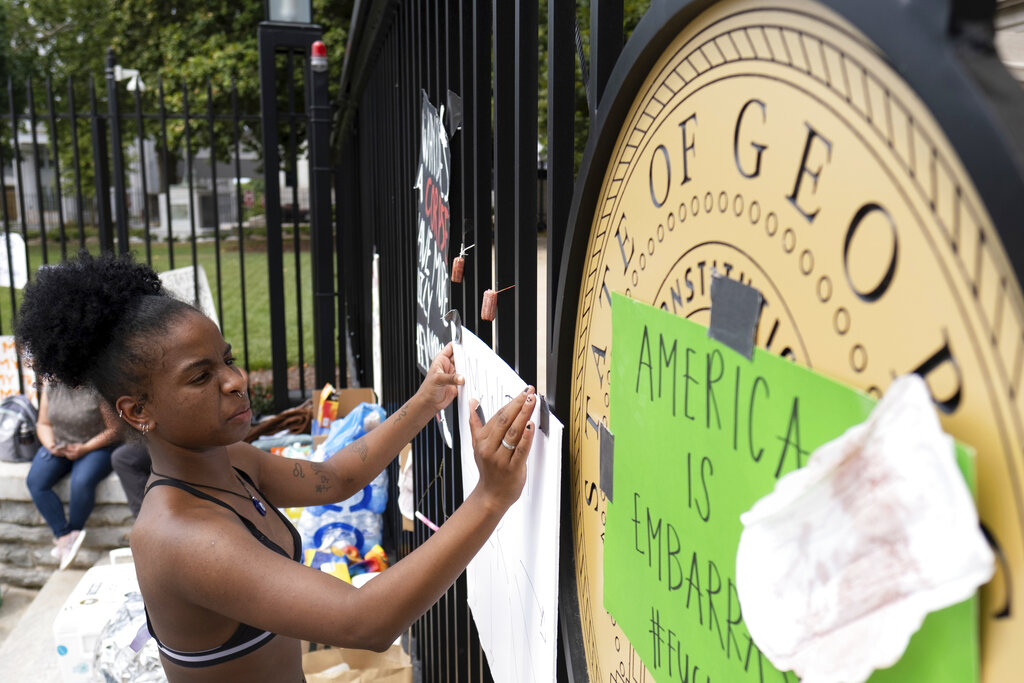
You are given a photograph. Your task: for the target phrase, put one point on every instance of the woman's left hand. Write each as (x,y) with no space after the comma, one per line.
(73,451)
(440,387)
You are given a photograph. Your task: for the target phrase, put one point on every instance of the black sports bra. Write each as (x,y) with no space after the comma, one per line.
(246,638)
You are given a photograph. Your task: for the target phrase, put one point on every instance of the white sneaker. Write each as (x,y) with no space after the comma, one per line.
(69,551)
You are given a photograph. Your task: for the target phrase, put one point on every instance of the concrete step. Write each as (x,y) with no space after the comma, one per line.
(25,540)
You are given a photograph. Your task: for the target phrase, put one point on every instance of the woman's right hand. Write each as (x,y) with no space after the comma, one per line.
(503,469)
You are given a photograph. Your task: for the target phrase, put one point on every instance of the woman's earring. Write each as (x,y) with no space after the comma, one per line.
(144,427)
(120,414)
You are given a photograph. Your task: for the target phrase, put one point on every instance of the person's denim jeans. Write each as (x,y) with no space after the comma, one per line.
(86,474)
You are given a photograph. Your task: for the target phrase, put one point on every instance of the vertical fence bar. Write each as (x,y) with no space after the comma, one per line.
(236,134)
(168,173)
(191,183)
(526,190)
(606,17)
(5,214)
(318,127)
(272,198)
(101,172)
(79,197)
(560,184)
(453,474)
(55,146)
(37,159)
(22,211)
(216,198)
(478,125)
(560,137)
(505,17)
(479,128)
(141,141)
(292,163)
(439,83)
(120,195)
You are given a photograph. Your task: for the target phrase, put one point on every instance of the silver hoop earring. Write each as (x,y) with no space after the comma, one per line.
(241,394)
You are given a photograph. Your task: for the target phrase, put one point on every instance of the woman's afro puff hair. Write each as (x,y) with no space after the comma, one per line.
(71,313)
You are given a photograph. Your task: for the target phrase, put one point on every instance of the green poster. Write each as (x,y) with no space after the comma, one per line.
(701,433)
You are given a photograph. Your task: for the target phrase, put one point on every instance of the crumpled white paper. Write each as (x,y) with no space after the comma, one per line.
(840,564)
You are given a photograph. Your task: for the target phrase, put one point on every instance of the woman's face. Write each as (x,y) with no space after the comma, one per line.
(197,394)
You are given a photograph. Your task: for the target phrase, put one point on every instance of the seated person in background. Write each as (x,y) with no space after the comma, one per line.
(133,466)
(77,436)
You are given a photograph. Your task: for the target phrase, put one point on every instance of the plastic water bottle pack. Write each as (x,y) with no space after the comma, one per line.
(357,520)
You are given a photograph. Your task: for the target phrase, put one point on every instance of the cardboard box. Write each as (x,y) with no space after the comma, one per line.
(86,611)
(348,399)
(363,666)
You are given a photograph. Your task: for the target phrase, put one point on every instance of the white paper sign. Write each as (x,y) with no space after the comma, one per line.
(18,260)
(181,283)
(512,582)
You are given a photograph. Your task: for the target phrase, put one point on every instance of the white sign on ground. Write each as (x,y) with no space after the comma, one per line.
(181,283)
(15,272)
(512,582)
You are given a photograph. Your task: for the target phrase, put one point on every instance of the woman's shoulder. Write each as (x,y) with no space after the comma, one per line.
(174,529)
(171,516)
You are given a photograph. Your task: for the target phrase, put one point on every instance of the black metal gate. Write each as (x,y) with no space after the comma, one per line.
(479,59)
(398,50)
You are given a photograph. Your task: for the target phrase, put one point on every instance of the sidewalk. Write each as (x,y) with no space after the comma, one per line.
(28,653)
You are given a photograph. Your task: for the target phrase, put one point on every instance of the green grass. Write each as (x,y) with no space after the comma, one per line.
(257,304)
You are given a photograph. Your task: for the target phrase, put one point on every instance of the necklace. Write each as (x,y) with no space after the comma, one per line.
(256,502)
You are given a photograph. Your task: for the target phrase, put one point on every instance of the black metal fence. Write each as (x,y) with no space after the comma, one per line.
(175,174)
(195,163)
(480,58)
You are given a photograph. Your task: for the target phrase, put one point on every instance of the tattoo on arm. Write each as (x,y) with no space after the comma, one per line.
(361,449)
(297,471)
(402,412)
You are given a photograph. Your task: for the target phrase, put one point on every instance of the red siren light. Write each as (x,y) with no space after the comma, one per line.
(318,56)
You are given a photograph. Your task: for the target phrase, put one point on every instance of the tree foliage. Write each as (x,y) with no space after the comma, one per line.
(194,49)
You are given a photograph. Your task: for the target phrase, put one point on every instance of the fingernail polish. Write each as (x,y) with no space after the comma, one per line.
(529,399)
(529,426)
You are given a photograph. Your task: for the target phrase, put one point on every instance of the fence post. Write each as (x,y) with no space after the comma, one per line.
(321,258)
(120,209)
(270,37)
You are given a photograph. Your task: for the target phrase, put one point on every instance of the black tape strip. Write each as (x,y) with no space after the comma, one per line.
(735,312)
(454,113)
(544,412)
(455,320)
(607,461)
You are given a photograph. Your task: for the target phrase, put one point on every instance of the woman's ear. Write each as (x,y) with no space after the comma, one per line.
(130,409)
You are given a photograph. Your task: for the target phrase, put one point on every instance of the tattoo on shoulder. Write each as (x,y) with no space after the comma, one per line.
(297,471)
